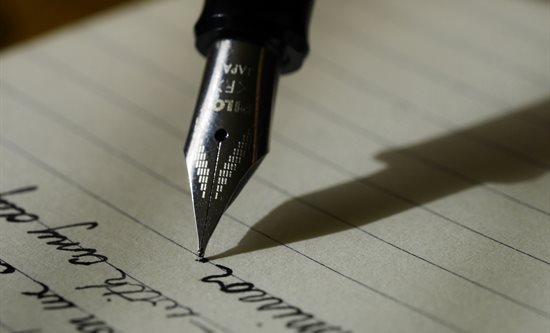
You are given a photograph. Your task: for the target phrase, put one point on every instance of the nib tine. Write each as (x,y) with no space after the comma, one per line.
(200,256)
(205,228)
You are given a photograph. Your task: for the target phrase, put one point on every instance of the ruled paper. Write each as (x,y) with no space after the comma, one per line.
(407,188)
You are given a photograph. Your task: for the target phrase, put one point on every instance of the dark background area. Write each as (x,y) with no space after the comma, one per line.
(21,20)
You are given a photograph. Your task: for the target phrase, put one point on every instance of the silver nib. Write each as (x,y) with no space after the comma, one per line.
(229,133)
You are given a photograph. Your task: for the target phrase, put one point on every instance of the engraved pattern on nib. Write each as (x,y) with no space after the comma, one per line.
(233,161)
(203,171)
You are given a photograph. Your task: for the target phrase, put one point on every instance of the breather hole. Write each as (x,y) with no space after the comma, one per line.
(221,135)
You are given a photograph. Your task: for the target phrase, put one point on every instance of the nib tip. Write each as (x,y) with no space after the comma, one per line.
(200,255)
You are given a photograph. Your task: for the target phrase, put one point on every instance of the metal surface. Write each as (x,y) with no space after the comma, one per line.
(230,129)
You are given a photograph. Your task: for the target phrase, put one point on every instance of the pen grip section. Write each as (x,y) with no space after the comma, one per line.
(281,26)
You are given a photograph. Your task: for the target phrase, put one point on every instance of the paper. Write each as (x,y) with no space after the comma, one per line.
(407,188)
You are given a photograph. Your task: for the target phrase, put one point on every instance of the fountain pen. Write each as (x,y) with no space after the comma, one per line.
(247,44)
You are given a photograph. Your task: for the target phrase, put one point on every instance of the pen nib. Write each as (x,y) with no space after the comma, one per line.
(229,133)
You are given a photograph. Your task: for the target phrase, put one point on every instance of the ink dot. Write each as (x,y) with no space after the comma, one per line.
(259,324)
(221,135)
(108,299)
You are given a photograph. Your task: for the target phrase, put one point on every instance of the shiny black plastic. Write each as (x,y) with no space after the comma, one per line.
(281,26)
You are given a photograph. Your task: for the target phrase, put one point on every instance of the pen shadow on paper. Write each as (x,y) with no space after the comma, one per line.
(477,154)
